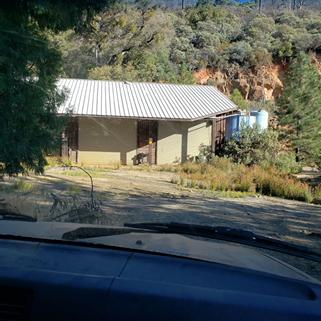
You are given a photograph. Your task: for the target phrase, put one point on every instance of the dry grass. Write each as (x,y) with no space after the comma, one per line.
(18,184)
(75,172)
(317,194)
(224,176)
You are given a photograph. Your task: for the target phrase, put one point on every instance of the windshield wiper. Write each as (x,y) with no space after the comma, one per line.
(11,216)
(231,235)
(92,232)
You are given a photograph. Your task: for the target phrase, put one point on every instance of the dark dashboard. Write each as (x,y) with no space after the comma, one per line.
(58,281)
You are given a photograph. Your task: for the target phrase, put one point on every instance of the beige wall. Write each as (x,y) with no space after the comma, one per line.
(106,141)
(169,143)
(109,141)
(179,140)
(198,133)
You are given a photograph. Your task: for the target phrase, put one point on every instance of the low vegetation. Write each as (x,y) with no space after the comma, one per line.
(94,172)
(253,162)
(225,176)
(68,168)
(252,146)
(18,184)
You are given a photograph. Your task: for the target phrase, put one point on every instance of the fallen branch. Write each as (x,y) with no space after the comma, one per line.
(65,206)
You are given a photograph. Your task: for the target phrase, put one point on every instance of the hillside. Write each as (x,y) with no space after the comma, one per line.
(227,46)
(267,84)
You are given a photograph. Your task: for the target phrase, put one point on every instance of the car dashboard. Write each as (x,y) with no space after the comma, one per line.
(42,280)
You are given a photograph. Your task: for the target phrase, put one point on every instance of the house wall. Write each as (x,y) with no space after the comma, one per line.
(106,141)
(179,140)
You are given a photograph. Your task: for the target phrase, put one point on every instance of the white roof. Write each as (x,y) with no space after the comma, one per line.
(142,100)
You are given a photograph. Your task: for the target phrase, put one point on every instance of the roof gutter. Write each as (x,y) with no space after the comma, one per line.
(216,115)
(209,116)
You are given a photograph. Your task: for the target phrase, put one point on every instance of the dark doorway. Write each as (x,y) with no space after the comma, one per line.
(69,146)
(147,141)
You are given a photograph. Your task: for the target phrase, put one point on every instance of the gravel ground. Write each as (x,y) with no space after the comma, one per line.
(139,196)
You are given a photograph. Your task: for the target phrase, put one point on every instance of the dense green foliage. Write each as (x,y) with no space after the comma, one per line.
(29,67)
(299,109)
(264,4)
(239,100)
(151,43)
(252,146)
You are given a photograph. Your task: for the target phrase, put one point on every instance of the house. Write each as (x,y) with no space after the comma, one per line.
(128,122)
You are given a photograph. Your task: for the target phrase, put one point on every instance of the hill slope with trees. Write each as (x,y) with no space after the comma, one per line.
(251,52)
(152,43)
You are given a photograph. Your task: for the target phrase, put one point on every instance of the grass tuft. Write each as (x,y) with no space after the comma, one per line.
(230,178)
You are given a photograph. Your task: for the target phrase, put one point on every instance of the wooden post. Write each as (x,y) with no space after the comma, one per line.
(213,135)
(150,150)
(64,145)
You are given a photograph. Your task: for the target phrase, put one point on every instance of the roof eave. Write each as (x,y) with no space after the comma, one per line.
(208,116)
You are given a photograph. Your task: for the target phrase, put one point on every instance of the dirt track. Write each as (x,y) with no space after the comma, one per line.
(138,196)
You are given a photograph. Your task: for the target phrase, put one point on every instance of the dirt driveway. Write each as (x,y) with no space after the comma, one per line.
(138,196)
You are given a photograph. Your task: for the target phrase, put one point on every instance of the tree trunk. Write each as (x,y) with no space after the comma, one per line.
(259,4)
(97,54)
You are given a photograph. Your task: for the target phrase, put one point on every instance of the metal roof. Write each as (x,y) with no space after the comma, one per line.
(142,100)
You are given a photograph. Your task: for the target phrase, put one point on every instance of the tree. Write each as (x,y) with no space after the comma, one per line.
(142,41)
(29,67)
(77,55)
(259,5)
(239,100)
(300,109)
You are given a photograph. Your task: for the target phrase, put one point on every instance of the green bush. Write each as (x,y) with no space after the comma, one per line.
(239,100)
(205,154)
(286,163)
(252,146)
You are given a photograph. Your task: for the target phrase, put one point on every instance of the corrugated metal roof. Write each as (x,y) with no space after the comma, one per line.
(142,100)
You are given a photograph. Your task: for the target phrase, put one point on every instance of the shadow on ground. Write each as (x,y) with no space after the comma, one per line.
(292,221)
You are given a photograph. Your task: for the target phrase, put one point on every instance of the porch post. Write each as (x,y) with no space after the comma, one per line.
(77,141)
(213,135)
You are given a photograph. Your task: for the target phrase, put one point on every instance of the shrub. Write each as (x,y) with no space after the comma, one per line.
(205,154)
(272,183)
(286,163)
(252,146)
(239,100)
(223,175)
(223,163)
(23,185)
(240,53)
(190,168)
(317,194)
(244,182)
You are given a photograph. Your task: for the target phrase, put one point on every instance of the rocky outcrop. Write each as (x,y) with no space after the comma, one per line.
(254,85)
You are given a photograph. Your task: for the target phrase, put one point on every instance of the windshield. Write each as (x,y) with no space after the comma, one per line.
(193,112)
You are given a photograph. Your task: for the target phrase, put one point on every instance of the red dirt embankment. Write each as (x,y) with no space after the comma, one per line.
(266,82)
